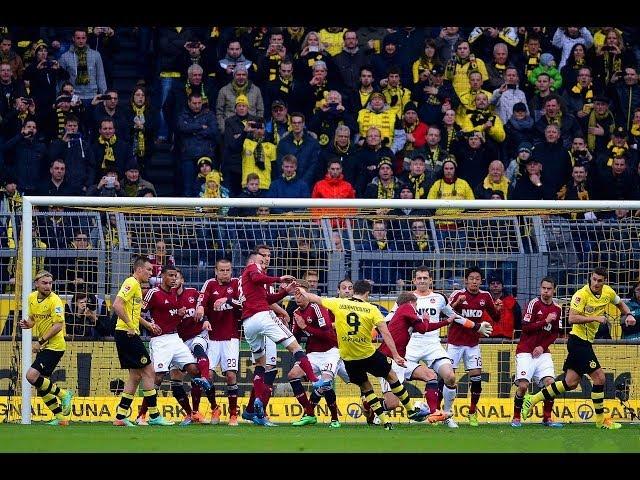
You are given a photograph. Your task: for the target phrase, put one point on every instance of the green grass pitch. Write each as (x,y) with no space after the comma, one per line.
(103,438)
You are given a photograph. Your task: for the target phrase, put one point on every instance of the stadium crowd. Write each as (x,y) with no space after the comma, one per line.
(330,112)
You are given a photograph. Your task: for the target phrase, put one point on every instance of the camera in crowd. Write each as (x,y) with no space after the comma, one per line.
(104,97)
(257,124)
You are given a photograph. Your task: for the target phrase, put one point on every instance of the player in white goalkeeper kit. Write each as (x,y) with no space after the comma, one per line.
(427,346)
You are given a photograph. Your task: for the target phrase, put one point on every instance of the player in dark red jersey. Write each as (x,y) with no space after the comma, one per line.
(259,322)
(168,351)
(405,321)
(195,335)
(540,327)
(315,323)
(270,347)
(472,304)
(218,302)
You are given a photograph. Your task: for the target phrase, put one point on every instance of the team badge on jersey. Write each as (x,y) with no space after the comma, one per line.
(432,300)
(191,299)
(482,303)
(229,290)
(592,364)
(58,309)
(143,360)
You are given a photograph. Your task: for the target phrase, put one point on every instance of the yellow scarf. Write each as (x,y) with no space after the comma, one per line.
(139,143)
(594,118)
(276,133)
(557,120)
(417,183)
(586,93)
(612,64)
(410,128)
(422,245)
(502,185)
(108,150)
(296,34)
(382,245)
(387,192)
(60,118)
(615,152)
(635,130)
(216,177)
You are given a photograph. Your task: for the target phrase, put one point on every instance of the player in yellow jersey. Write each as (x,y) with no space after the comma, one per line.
(587,312)
(46,317)
(355,319)
(132,353)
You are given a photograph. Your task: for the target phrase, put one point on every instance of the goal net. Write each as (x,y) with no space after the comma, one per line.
(88,245)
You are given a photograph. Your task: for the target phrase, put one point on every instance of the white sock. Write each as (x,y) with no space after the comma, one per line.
(449,395)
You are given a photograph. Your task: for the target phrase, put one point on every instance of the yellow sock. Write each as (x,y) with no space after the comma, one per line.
(597,397)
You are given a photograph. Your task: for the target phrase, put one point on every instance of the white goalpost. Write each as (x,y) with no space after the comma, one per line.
(352,205)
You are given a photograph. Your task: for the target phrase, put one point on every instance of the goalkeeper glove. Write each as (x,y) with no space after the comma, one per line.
(485,329)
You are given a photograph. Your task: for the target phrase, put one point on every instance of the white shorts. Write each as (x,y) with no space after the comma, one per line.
(201,339)
(533,369)
(225,353)
(471,356)
(342,372)
(432,354)
(265,325)
(270,351)
(169,352)
(325,361)
(403,373)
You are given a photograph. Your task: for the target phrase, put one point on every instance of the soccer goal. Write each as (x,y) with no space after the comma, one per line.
(88,245)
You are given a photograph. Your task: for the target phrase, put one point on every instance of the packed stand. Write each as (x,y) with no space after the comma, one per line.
(518,112)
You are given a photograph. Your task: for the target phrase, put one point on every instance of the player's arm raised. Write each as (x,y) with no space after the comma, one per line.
(312,297)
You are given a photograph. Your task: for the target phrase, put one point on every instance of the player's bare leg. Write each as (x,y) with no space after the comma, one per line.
(448,392)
